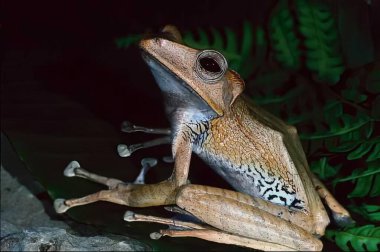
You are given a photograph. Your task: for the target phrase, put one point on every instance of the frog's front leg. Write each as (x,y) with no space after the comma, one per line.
(128,127)
(135,195)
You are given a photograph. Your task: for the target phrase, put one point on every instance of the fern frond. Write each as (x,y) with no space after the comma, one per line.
(284,40)
(369,212)
(364,148)
(364,238)
(343,125)
(317,25)
(366,181)
(323,169)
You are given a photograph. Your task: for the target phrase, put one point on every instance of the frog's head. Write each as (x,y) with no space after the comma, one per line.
(199,78)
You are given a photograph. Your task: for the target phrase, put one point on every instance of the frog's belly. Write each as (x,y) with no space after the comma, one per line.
(252,180)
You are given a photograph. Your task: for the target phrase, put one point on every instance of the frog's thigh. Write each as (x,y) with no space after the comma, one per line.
(239,218)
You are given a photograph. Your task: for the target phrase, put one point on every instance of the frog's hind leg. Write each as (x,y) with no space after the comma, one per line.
(224,238)
(230,212)
(201,231)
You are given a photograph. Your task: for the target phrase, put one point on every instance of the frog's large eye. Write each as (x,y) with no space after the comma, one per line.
(210,66)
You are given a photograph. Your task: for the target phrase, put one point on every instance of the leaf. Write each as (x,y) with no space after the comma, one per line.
(284,40)
(342,147)
(369,212)
(352,95)
(339,126)
(375,153)
(317,25)
(365,180)
(250,62)
(364,148)
(323,169)
(364,238)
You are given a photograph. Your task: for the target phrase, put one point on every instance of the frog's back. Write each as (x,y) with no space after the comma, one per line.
(250,156)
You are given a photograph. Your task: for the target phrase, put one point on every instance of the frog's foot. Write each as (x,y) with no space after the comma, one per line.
(128,127)
(126,151)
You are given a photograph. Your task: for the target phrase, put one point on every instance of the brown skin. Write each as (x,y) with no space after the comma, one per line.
(236,132)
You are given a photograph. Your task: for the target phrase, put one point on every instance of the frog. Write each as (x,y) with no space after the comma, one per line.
(276,202)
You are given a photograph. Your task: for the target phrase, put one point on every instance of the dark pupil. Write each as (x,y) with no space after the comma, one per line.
(210,65)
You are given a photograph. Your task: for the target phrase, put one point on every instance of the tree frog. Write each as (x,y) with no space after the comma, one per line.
(277,204)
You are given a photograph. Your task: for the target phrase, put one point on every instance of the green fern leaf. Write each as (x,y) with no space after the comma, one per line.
(317,25)
(231,44)
(376,188)
(252,61)
(369,212)
(217,39)
(367,181)
(323,169)
(364,148)
(375,153)
(202,43)
(341,147)
(284,40)
(343,125)
(364,238)
(247,63)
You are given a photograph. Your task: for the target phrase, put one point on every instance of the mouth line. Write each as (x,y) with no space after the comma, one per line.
(148,56)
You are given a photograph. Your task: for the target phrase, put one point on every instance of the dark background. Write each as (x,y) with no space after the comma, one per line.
(66,87)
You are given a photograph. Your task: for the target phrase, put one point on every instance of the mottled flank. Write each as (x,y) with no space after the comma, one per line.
(252,155)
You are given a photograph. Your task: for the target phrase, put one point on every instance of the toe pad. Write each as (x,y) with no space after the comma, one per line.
(70,169)
(60,206)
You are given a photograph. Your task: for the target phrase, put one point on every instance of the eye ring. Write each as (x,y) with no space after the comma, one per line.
(210,66)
